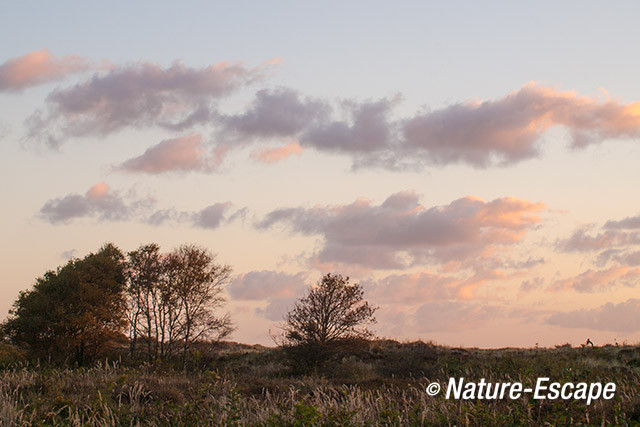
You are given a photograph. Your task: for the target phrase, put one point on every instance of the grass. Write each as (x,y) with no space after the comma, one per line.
(382,383)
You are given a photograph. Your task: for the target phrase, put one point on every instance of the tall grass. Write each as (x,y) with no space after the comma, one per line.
(383,385)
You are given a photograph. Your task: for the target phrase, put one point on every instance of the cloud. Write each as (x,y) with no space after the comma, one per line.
(481,134)
(532,284)
(182,154)
(272,155)
(39,67)
(5,130)
(367,129)
(632,222)
(70,254)
(105,204)
(280,291)
(580,241)
(617,241)
(507,130)
(137,95)
(599,280)
(265,284)
(415,288)
(632,258)
(412,288)
(277,113)
(212,216)
(400,231)
(99,202)
(453,316)
(276,308)
(622,317)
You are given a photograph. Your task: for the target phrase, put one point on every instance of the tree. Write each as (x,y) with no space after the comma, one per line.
(332,310)
(198,283)
(172,298)
(77,309)
(145,270)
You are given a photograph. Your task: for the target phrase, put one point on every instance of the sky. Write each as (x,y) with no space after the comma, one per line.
(474,166)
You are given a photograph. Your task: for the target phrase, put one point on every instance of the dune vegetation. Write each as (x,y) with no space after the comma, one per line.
(362,382)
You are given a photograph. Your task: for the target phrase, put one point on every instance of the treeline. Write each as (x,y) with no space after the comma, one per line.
(156,304)
(151,305)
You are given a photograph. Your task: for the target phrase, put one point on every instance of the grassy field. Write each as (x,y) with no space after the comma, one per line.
(379,383)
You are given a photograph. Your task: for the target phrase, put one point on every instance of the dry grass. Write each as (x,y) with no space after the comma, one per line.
(382,385)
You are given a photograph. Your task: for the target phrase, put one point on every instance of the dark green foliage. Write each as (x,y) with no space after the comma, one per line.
(76,311)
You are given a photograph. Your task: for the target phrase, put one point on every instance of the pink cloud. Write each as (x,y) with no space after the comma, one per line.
(98,191)
(182,154)
(39,67)
(272,155)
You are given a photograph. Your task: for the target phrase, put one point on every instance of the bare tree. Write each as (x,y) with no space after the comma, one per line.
(333,309)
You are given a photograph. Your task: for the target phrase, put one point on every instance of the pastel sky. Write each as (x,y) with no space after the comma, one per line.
(474,165)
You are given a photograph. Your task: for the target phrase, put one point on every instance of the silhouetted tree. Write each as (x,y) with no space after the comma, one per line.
(172,298)
(198,283)
(332,310)
(78,309)
(145,273)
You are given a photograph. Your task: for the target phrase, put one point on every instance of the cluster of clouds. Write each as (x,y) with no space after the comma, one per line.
(423,302)
(102,203)
(443,311)
(470,236)
(400,232)
(426,303)
(616,248)
(179,98)
(481,134)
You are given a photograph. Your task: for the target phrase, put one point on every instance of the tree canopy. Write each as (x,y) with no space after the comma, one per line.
(76,311)
(333,309)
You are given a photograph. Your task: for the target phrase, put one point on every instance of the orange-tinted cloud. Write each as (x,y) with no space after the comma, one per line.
(507,130)
(401,231)
(39,67)
(272,155)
